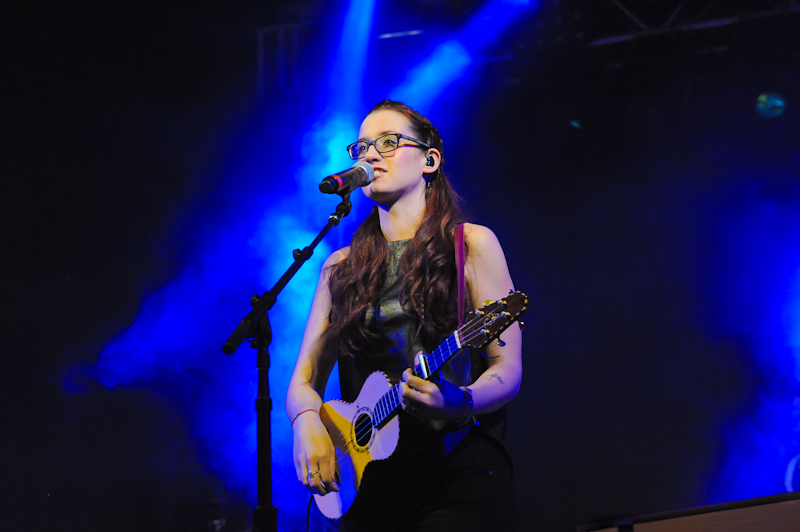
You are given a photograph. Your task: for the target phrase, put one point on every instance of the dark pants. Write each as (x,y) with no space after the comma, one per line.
(470,489)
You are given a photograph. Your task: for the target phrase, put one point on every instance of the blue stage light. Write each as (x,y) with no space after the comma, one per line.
(425,82)
(762,305)
(450,59)
(492,20)
(347,71)
(174,346)
(770,105)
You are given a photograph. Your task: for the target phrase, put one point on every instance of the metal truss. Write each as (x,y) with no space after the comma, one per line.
(705,14)
(286,50)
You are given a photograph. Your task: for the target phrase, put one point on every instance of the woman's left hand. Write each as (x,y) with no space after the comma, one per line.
(428,400)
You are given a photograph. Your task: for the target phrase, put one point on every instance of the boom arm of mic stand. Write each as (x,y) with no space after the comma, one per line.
(256,325)
(247,327)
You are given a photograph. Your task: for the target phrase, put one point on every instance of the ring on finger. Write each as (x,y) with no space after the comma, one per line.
(311,474)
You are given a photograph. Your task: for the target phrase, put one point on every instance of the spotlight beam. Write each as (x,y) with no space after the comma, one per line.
(150,355)
(450,59)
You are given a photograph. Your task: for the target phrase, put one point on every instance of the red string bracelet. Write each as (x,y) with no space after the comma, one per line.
(301,413)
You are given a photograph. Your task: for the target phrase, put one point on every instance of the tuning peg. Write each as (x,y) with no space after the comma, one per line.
(521,325)
(500,342)
(510,291)
(487,302)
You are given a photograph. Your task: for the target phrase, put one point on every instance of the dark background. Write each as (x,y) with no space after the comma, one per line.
(118,125)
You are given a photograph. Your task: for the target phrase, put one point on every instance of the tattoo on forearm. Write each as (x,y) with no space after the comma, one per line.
(495,376)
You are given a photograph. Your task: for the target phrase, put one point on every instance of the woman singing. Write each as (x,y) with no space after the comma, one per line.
(393,294)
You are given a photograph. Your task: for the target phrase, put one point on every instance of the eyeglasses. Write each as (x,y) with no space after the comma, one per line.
(384,144)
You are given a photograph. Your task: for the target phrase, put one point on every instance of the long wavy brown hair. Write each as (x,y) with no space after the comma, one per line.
(428,266)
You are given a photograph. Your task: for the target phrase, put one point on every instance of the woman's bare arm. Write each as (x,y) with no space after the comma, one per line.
(313,449)
(488,278)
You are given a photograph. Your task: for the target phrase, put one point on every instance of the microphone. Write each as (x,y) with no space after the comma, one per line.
(359,175)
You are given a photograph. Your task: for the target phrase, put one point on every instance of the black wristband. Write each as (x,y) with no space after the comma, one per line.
(463,415)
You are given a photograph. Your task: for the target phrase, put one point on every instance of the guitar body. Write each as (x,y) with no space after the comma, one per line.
(357,441)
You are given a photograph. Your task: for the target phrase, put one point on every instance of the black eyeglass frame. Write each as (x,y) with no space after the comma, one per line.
(373,143)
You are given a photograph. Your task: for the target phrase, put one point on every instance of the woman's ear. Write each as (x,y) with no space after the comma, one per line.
(432,161)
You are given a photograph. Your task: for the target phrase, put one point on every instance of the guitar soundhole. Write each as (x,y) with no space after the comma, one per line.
(363,430)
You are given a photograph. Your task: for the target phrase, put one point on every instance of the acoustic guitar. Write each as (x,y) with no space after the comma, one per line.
(368,429)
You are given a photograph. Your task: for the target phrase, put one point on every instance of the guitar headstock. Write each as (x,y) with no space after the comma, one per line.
(483,325)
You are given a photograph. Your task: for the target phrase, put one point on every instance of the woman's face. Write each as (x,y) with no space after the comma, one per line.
(399,172)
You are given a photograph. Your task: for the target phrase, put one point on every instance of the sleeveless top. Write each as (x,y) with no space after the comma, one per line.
(400,329)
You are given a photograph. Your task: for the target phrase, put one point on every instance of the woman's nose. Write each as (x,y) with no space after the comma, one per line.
(372,153)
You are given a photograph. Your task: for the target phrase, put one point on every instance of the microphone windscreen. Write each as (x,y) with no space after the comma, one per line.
(367,168)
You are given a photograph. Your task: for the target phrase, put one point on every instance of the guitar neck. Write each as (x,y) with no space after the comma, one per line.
(480,327)
(389,402)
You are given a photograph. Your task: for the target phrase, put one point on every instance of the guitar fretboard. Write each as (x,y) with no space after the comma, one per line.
(390,401)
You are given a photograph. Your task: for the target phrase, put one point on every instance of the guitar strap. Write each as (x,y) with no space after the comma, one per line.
(462,280)
(450,439)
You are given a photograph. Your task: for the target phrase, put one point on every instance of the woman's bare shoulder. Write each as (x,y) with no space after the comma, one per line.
(336,257)
(488,275)
(480,237)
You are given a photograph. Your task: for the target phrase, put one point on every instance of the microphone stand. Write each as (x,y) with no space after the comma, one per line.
(256,325)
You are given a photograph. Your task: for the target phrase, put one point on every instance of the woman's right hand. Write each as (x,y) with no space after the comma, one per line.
(314,455)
